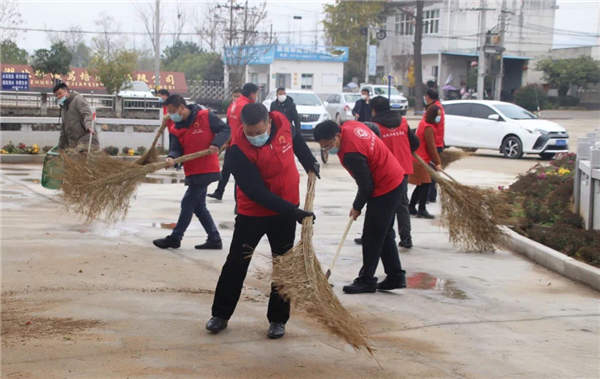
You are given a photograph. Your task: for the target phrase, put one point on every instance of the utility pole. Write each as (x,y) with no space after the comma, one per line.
(481,62)
(418,58)
(367,55)
(500,75)
(231,24)
(157,46)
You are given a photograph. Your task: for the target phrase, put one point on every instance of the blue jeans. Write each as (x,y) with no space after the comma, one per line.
(194,202)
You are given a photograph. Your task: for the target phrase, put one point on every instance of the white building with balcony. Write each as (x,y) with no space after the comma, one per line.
(451,37)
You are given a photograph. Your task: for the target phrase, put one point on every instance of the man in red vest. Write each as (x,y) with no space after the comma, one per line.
(226,172)
(432,98)
(401,141)
(195,130)
(263,165)
(379,177)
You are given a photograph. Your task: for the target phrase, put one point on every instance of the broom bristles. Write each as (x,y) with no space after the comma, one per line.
(102,187)
(472,215)
(449,156)
(151,156)
(299,278)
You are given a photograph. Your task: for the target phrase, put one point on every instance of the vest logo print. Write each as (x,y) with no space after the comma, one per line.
(196,129)
(282,140)
(361,133)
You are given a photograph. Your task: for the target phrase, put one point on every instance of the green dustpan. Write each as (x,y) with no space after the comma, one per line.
(52,172)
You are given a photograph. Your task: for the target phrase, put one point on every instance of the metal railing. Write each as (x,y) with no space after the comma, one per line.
(586,191)
(141,103)
(21,99)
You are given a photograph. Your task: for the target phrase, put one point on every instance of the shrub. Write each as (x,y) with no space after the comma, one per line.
(140,150)
(111,150)
(125,150)
(526,97)
(21,148)
(568,101)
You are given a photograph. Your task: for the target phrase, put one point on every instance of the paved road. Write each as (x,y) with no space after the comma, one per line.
(101,302)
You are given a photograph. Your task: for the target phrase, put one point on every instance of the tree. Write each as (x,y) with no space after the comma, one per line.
(342,24)
(145,11)
(178,49)
(75,42)
(12,54)
(108,39)
(145,59)
(54,61)
(10,17)
(564,73)
(233,31)
(114,70)
(199,66)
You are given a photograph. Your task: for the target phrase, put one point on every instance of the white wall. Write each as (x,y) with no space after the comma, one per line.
(297,68)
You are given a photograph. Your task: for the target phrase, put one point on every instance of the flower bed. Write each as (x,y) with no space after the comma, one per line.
(21,148)
(542,210)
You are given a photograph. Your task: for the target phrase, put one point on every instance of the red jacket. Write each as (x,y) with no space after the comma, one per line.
(386,171)
(234,118)
(396,139)
(440,126)
(198,137)
(422,151)
(170,123)
(276,164)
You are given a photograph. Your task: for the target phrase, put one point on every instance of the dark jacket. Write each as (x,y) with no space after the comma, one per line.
(363,110)
(217,126)
(393,119)
(288,108)
(75,120)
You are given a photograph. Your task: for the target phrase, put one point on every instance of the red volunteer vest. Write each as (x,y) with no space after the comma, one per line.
(422,150)
(170,123)
(234,117)
(195,138)
(439,127)
(276,164)
(396,140)
(385,169)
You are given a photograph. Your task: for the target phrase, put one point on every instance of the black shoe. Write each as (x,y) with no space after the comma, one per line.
(425,214)
(407,243)
(432,201)
(412,211)
(392,283)
(359,286)
(216,324)
(358,241)
(167,242)
(215,195)
(210,245)
(276,330)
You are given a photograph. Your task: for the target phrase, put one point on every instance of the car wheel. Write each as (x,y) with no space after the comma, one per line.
(324,156)
(468,150)
(338,119)
(547,156)
(512,147)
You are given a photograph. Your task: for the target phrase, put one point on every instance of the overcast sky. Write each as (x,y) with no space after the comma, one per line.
(572,17)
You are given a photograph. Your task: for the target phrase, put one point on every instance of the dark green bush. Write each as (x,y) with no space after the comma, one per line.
(526,97)
(111,150)
(568,101)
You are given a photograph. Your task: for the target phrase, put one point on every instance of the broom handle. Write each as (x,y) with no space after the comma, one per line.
(337,253)
(445,173)
(431,171)
(163,125)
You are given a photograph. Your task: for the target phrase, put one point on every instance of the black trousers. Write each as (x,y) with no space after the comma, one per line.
(433,188)
(379,238)
(225,173)
(280,231)
(402,214)
(419,195)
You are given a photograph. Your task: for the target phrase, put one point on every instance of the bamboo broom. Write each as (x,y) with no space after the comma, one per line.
(150,156)
(96,190)
(299,278)
(472,215)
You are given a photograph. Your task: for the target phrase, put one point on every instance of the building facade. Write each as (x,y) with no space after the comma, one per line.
(316,68)
(451,38)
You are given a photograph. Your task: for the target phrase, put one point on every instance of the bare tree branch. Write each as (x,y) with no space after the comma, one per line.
(10,17)
(181,20)
(145,12)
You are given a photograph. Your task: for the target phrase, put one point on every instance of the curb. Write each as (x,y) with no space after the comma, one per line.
(554,260)
(22,158)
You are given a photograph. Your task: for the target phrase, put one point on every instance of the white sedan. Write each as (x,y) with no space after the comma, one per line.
(496,125)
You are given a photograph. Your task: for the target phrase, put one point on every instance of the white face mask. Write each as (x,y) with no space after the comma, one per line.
(281,98)
(364,97)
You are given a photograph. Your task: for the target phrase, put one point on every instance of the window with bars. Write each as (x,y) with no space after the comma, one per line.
(431,21)
(307,81)
(404,25)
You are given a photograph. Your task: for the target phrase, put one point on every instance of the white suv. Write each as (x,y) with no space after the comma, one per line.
(311,109)
(397,101)
(496,125)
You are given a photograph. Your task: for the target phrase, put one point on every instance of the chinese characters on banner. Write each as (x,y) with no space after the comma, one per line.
(79,79)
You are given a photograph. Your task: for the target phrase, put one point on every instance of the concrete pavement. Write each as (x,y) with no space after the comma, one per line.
(103,302)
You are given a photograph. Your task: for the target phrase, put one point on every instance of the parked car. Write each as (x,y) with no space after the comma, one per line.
(340,106)
(136,89)
(310,108)
(497,125)
(397,101)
